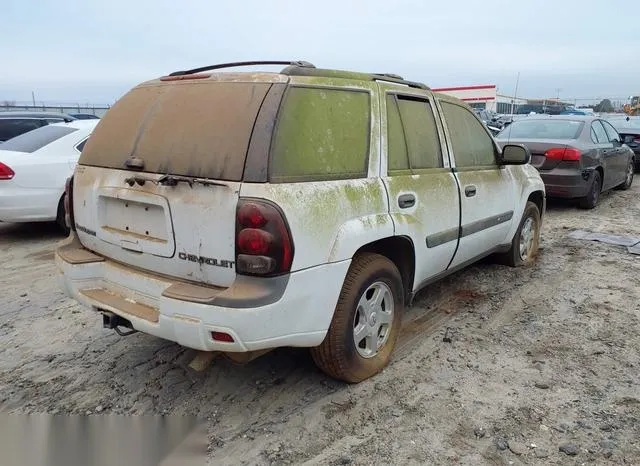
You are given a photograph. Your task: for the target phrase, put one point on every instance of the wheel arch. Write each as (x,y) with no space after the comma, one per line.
(401,251)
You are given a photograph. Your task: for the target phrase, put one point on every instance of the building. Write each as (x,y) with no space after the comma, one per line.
(484,97)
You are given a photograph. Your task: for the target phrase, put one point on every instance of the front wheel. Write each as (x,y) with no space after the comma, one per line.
(366,321)
(628,179)
(526,241)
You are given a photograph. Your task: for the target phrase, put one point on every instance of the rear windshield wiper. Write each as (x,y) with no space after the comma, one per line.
(171,180)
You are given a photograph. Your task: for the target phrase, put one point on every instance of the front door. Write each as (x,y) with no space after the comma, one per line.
(486,190)
(619,155)
(423,194)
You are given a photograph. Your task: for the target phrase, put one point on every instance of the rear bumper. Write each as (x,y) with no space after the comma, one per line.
(299,317)
(566,183)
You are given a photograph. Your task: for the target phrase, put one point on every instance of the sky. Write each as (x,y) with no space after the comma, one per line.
(92,51)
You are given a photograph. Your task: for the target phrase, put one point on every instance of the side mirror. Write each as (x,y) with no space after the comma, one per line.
(515,154)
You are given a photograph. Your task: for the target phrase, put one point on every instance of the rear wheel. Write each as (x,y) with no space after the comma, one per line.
(61,220)
(591,199)
(526,241)
(628,179)
(366,321)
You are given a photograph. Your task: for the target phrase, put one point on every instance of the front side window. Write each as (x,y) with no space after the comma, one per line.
(612,134)
(601,134)
(472,146)
(321,134)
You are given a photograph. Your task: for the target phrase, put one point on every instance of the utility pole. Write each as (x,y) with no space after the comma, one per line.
(33,98)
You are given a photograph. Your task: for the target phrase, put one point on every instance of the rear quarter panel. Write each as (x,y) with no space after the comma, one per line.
(329,220)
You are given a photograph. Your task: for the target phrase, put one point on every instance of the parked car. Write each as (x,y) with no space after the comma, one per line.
(13,124)
(308,213)
(629,129)
(84,116)
(34,168)
(577,156)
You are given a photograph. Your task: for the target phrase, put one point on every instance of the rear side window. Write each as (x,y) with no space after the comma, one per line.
(472,146)
(37,139)
(10,128)
(412,134)
(190,129)
(321,134)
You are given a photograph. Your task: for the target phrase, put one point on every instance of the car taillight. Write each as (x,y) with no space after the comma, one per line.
(263,240)
(68,204)
(563,153)
(5,172)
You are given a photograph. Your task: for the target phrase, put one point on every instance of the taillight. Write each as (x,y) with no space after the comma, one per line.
(263,240)
(563,153)
(5,172)
(68,204)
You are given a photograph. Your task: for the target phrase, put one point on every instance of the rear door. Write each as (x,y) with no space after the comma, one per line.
(423,195)
(158,181)
(487,193)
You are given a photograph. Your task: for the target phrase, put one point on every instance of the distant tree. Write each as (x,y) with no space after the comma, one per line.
(8,103)
(605,106)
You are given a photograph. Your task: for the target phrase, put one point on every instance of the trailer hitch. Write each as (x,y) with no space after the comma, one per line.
(113,321)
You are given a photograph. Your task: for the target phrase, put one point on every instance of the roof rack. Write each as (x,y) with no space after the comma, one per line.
(304,68)
(293,70)
(394,78)
(299,63)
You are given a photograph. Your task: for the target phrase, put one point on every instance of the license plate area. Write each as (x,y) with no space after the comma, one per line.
(136,221)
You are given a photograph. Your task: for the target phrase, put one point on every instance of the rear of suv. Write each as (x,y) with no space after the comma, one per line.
(239,212)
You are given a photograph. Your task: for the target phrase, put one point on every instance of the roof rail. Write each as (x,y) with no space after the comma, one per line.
(394,78)
(329,73)
(299,63)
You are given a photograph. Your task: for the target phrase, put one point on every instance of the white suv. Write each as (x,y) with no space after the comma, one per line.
(239,212)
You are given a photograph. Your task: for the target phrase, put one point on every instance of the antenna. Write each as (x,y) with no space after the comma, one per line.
(515,97)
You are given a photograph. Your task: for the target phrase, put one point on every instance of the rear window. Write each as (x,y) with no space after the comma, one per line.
(321,134)
(10,128)
(542,129)
(37,139)
(189,129)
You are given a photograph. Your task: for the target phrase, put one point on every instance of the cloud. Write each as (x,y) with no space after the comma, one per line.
(62,46)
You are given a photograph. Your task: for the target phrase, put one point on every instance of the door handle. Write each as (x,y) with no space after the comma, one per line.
(470,191)
(406,200)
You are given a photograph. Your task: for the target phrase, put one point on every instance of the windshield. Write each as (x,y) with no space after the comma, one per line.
(37,138)
(542,129)
(622,123)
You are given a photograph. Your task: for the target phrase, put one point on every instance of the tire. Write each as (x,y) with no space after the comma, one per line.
(524,249)
(628,179)
(339,355)
(61,218)
(591,199)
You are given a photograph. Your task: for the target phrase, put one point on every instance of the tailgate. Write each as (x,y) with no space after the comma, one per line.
(157,183)
(178,231)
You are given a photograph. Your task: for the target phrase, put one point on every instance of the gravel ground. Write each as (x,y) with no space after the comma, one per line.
(542,367)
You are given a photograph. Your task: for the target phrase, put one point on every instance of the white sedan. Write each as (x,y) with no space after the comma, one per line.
(34,168)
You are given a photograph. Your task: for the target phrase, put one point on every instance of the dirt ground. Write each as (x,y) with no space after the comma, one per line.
(543,366)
